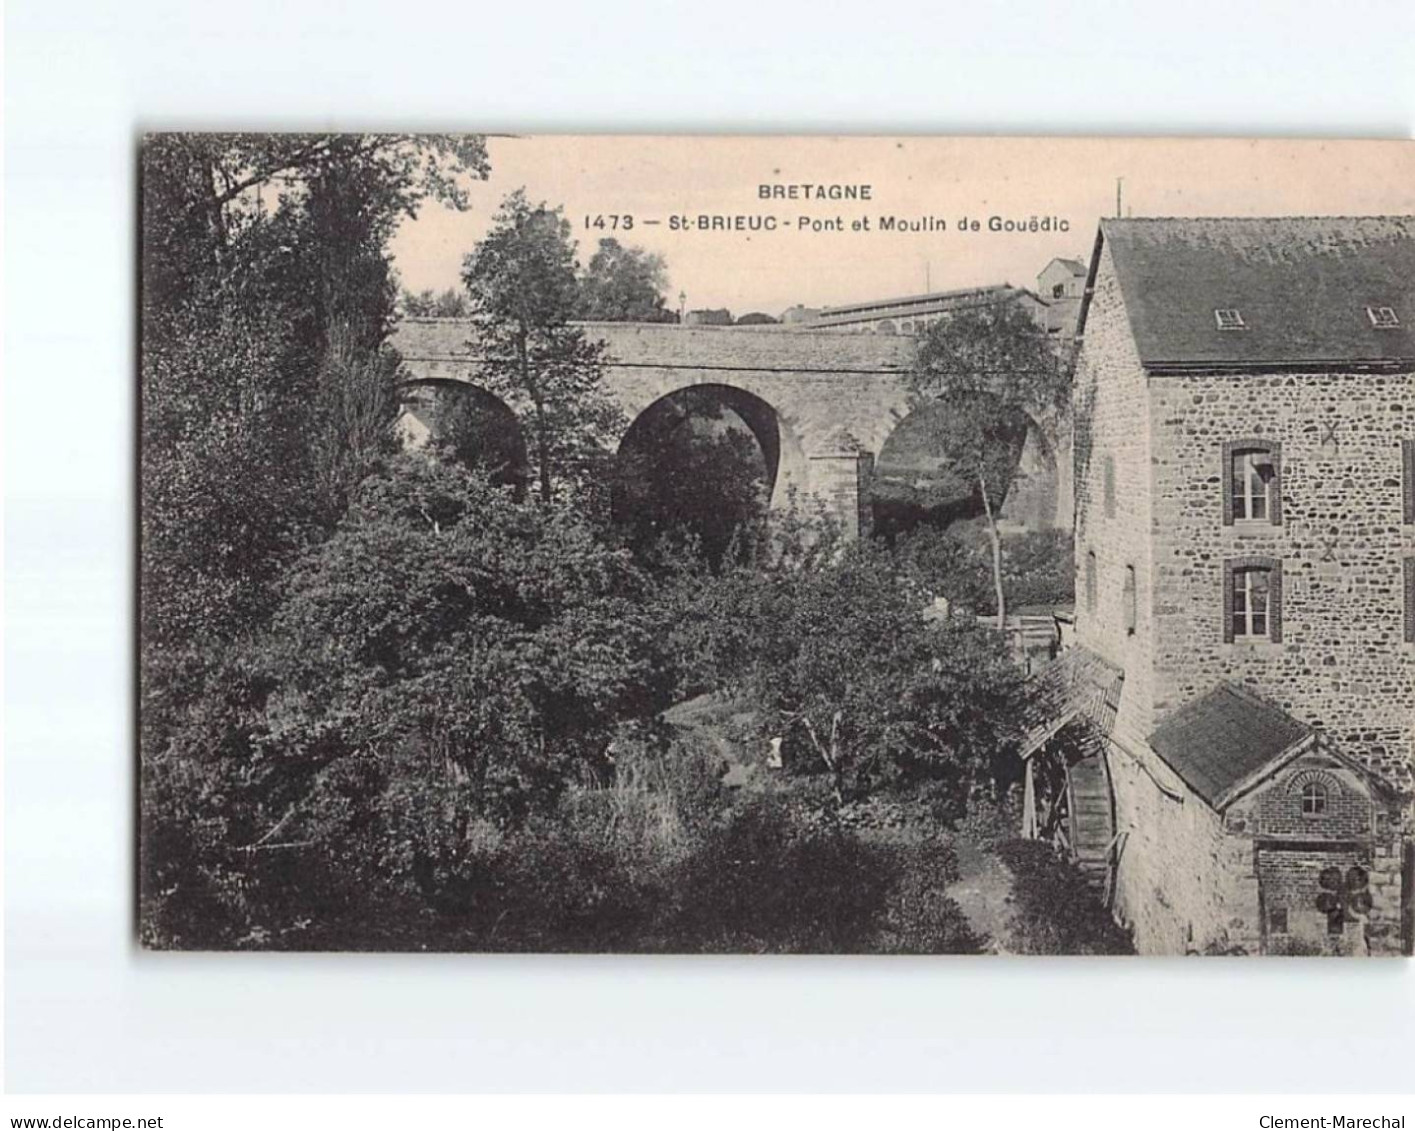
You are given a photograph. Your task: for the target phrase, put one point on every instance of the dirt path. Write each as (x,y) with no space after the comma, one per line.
(981,890)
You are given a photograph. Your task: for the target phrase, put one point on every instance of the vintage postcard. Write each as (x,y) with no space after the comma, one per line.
(777,544)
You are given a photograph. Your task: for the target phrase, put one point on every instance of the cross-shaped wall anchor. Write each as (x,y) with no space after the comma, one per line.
(1329,435)
(1329,546)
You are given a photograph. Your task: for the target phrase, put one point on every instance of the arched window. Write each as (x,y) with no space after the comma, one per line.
(1314,799)
(1090,580)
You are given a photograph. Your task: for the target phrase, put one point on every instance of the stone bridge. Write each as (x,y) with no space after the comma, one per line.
(823,405)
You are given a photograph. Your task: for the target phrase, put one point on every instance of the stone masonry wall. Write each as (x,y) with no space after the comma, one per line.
(1179,883)
(1112,474)
(1347,814)
(1183,884)
(1292,849)
(1342,664)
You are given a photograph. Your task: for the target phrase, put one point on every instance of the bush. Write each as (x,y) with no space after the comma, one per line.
(1037,566)
(919,917)
(1055,909)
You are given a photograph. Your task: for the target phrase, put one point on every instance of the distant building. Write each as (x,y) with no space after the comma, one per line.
(1055,305)
(1240,694)
(798,313)
(1062,285)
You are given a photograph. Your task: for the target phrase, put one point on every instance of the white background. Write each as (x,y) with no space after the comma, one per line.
(86,1011)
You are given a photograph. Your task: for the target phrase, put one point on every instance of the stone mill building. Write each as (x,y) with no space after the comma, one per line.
(1228,744)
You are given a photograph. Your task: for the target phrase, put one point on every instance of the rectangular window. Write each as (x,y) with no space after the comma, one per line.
(1383,317)
(1277,921)
(1250,603)
(1229,319)
(1129,600)
(1252,599)
(1250,486)
(1091,580)
(1252,475)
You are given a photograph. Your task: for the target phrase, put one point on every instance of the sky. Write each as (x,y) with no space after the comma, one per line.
(1070,181)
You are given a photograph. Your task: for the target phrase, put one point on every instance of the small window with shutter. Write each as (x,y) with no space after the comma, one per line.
(1128,600)
(1252,600)
(1252,482)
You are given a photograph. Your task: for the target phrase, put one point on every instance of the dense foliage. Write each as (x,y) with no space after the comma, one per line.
(1038,567)
(1055,910)
(837,655)
(977,376)
(624,284)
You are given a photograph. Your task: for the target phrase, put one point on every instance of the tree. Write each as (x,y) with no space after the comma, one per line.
(624,284)
(267,389)
(203,194)
(427,303)
(449,659)
(985,369)
(837,656)
(523,289)
(419,305)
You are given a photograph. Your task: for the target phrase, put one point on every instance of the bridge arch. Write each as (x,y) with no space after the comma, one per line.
(711,455)
(474,426)
(919,478)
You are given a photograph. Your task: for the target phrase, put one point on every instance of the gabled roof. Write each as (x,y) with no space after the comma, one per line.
(1075,266)
(1077,685)
(1224,739)
(1301,285)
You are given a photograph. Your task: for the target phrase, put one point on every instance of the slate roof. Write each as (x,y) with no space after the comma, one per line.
(1075,266)
(1223,738)
(1302,285)
(1077,684)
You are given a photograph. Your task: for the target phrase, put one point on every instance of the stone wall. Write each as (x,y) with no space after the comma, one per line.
(1112,449)
(1292,849)
(1341,665)
(1184,885)
(1278,811)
